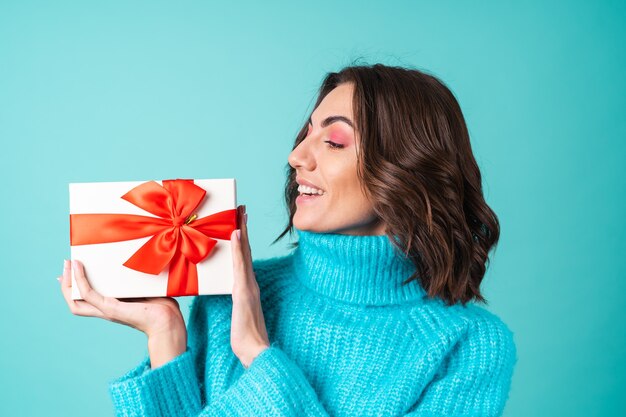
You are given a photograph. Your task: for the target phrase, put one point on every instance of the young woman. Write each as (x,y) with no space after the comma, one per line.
(373,313)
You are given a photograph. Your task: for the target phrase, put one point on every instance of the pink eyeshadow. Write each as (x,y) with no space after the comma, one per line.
(338,137)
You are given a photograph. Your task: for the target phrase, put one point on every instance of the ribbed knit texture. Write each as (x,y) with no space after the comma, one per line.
(347,339)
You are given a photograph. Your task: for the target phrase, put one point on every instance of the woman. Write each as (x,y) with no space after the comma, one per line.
(371,314)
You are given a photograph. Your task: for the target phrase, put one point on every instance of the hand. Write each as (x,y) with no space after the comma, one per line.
(159,318)
(248,335)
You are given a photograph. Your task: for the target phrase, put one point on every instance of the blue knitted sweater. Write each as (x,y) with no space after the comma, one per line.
(347,339)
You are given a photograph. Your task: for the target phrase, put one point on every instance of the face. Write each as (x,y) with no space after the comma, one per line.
(326,161)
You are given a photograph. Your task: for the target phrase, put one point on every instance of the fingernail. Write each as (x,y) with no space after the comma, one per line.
(239,234)
(244,208)
(245,218)
(59,279)
(75,264)
(66,264)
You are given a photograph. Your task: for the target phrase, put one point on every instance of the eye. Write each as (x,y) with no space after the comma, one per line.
(334,145)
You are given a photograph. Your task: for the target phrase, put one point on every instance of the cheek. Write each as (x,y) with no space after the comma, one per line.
(346,187)
(338,169)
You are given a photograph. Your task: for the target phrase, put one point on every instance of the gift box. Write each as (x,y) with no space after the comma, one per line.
(154,238)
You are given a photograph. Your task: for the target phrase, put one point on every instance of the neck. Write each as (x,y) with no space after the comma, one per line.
(365,270)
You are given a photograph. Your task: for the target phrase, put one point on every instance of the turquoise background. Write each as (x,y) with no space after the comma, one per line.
(120,91)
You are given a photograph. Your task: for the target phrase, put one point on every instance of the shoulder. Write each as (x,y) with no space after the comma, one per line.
(490,337)
(470,328)
(471,357)
(485,325)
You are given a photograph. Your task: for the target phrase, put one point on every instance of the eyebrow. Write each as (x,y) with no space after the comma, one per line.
(332,119)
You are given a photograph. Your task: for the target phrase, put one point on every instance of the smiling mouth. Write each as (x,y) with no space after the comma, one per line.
(304,197)
(305,190)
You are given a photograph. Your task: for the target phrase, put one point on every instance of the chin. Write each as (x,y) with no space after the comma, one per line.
(354,229)
(308,225)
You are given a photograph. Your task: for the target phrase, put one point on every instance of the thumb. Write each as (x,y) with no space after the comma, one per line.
(238,260)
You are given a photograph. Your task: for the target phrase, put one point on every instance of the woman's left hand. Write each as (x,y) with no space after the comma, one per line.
(248,335)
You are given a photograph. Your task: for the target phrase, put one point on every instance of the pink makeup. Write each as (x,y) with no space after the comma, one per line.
(338,136)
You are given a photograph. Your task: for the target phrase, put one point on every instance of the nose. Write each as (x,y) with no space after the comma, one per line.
(302,156)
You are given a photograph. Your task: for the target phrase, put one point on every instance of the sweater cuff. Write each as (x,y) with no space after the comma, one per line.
(171,389)
(275,385)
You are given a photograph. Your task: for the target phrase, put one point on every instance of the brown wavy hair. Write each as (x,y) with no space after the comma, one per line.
(417,167)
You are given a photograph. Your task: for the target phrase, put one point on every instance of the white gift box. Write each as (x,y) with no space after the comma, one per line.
(104,262)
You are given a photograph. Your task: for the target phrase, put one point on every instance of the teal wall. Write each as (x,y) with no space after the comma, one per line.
(119,90)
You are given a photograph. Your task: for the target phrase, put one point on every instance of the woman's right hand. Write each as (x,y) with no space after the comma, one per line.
(159,318)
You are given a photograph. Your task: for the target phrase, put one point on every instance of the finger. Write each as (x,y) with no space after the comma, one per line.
(246,250)
(66,283)
(86,292)
(83,308)
(106,305)
(245,242)
(77,307)
(67,280)
(245,288)
(238,263)
(240,212)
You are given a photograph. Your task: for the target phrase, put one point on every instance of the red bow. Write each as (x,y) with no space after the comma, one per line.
(177,237)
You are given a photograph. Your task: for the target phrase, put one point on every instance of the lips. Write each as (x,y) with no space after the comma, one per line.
(307,191)
(302,181)
(307,198)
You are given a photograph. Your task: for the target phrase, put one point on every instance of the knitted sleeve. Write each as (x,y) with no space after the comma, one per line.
(272,386)
(475,378)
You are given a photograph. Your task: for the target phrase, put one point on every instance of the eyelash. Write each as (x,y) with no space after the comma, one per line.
(334,145)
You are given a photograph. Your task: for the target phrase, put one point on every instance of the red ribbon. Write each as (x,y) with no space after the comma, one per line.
(176,238)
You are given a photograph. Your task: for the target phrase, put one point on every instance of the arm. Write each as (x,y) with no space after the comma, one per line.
(475,378)
(167,344)
(273,385)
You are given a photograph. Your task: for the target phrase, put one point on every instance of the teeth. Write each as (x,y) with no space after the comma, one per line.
(304,189)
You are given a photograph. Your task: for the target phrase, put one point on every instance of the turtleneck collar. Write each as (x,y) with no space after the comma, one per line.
(355,269)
